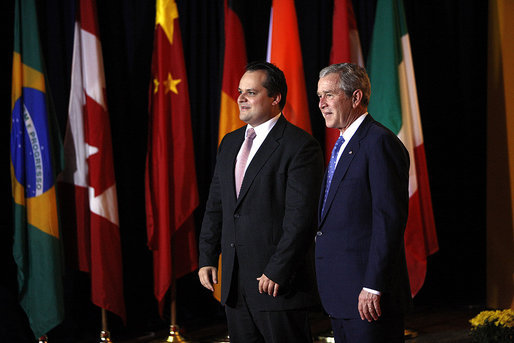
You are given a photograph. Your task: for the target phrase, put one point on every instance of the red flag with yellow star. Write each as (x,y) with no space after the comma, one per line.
(170,180)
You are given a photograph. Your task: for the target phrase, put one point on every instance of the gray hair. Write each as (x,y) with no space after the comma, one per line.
(351,78)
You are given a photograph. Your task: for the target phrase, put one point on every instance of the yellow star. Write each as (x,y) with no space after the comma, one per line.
(166,12)
(171,84)
(155,86)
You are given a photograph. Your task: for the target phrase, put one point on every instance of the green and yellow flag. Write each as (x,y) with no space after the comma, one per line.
(35,162)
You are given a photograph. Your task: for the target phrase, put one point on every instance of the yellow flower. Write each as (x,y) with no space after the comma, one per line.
(506,318)
(499,318)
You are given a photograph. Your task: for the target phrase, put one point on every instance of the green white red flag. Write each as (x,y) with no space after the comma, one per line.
(394,103)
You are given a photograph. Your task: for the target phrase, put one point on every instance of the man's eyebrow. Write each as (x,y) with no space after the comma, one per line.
(335,90)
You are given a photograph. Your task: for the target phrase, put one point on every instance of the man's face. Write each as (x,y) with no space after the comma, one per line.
(255,106)
(335,106)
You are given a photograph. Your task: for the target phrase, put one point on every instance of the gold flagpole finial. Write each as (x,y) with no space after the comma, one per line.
(105,336)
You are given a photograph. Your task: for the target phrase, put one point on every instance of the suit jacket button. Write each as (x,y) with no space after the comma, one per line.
(232,245)
(319,233)
(236,215)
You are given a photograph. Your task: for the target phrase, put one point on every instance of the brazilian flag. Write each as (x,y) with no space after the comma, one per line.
(35,162)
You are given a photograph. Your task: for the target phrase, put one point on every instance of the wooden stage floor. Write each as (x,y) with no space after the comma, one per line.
(429,325)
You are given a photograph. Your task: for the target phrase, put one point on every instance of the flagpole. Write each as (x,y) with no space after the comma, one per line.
(173,304)
(105,335)
(174,334)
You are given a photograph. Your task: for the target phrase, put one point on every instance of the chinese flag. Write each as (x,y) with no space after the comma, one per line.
(170,180)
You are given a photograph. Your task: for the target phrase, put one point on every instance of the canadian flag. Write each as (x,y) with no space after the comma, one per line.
(90,206)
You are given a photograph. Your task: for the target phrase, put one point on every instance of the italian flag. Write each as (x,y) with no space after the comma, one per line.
(394,103)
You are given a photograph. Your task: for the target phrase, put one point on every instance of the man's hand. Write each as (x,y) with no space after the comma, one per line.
(369,306)
(268,286)
(208,277)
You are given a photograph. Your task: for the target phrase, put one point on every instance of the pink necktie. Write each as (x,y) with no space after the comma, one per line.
(243,158)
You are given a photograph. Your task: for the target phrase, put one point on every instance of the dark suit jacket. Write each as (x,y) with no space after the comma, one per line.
(360,242)
(271,226)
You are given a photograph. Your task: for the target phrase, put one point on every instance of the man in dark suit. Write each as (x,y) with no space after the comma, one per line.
(263,219)
(360,258)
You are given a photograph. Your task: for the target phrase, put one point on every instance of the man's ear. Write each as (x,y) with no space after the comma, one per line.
(356,98)
(276,99)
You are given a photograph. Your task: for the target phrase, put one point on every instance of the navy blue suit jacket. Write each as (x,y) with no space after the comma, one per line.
(360,242)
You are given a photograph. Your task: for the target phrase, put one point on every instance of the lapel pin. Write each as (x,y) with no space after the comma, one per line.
(350,152)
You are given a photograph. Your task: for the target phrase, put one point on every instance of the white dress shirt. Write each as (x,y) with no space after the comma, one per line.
(261,132)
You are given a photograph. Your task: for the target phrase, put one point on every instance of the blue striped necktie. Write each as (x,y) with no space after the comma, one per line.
(331,168)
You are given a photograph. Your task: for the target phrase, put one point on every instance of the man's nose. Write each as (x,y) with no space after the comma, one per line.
(322,102)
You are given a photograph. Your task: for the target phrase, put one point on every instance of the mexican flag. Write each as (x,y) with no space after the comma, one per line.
(394,103)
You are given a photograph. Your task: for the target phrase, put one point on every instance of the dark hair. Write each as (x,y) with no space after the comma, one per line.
(275,80)
(351,77)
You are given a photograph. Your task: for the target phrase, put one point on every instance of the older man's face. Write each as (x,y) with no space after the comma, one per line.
(335,106)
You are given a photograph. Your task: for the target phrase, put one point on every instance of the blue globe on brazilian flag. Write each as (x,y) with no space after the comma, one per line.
(30,143)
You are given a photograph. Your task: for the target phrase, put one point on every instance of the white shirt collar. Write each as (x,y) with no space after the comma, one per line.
(350,131)
(261,132)
(264,128)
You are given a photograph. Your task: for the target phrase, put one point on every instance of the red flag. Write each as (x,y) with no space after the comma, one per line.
(234,63)
(89,171)
(285,52)
(170,180)
(346,47)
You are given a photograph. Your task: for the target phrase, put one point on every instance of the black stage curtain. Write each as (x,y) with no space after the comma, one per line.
(449,49)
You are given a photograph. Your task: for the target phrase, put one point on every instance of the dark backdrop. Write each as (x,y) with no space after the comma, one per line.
(449,47)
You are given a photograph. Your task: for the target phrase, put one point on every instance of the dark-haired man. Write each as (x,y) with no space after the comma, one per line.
(261,215)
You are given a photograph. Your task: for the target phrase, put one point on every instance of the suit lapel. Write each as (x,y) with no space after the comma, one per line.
(350,151)
(266,150)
